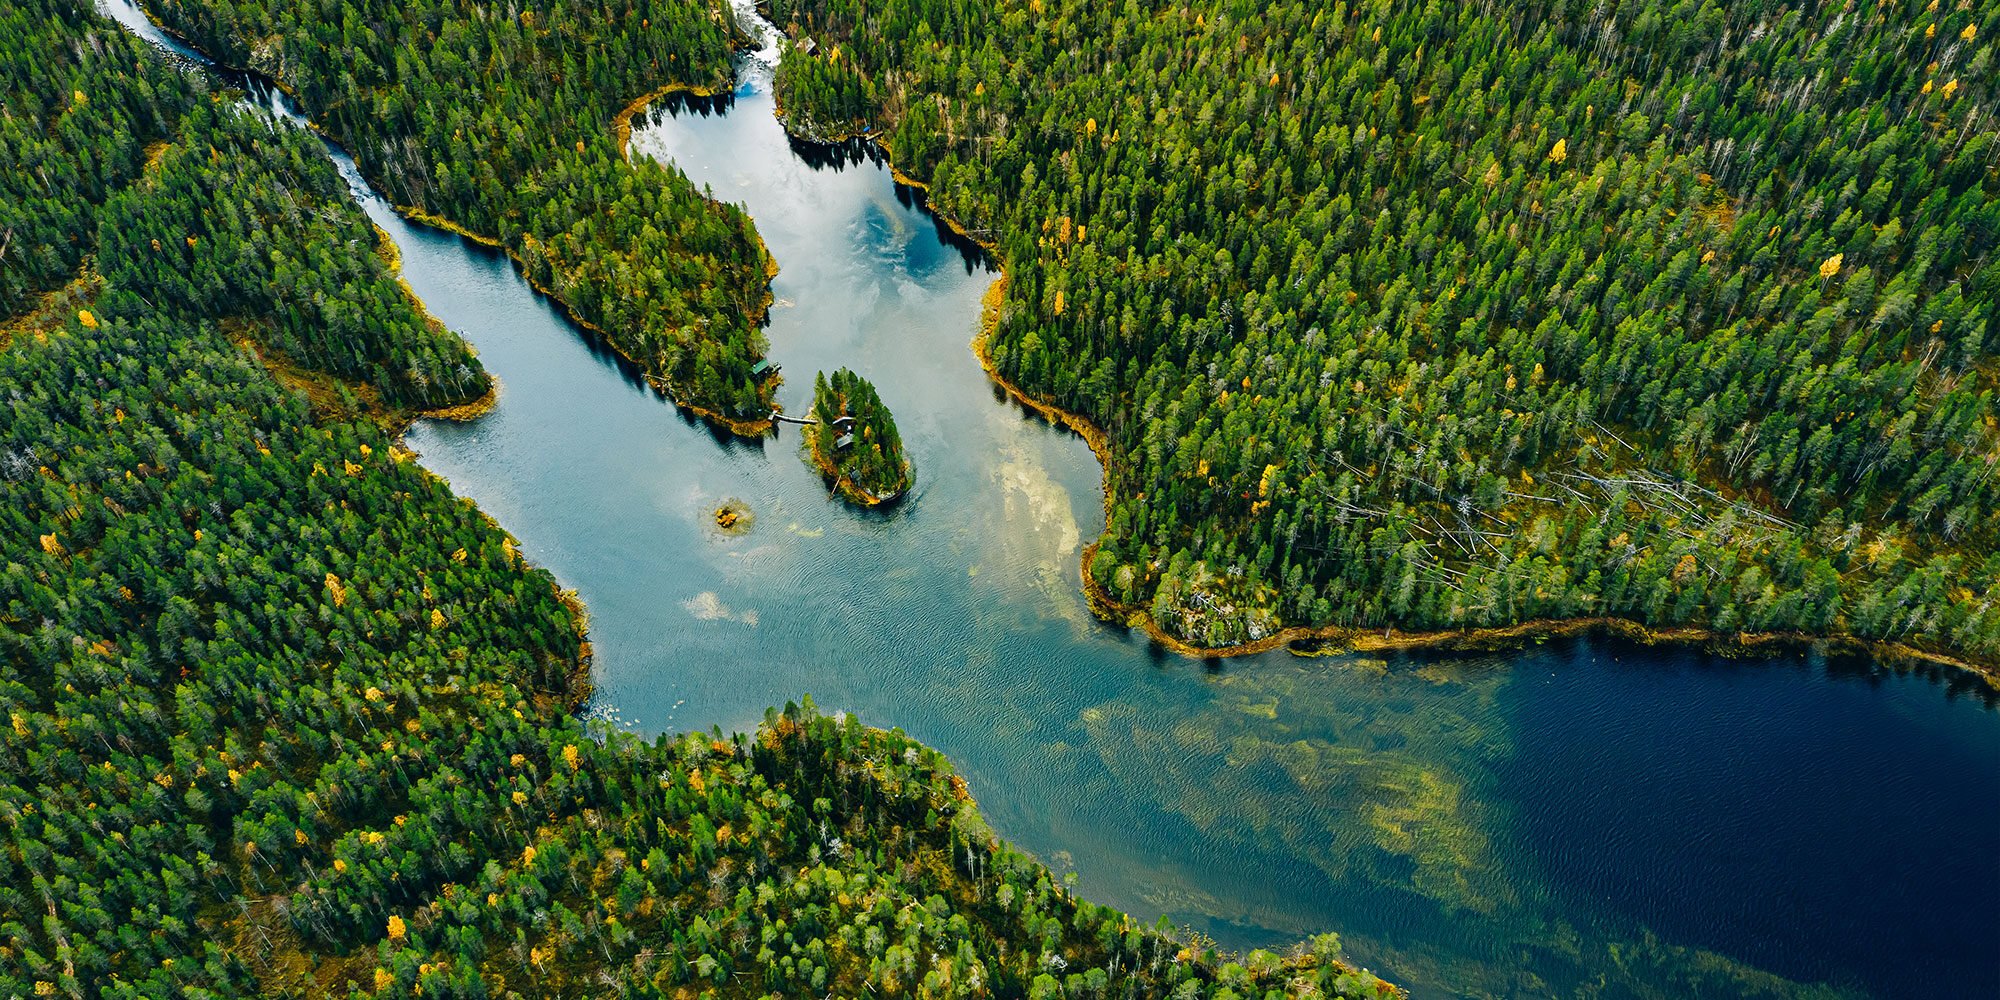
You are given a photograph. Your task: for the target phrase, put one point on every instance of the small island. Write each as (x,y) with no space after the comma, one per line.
(734,517)
(853,440)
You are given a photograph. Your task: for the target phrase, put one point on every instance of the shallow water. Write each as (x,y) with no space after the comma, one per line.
(1578,819)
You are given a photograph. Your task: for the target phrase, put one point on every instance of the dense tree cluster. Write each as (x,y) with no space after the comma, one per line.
(75,122)
(855,441)
(224,628)
(503,120)
(841,103)
(284,717)
(238,218)
(202,209)
(1450,315)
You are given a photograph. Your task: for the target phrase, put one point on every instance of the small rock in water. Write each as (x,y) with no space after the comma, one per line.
(733,516)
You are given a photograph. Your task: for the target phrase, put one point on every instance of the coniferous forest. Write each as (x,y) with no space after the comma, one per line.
(1383,316)
(510,123)
(284,717)
(1444,316)
(855,440)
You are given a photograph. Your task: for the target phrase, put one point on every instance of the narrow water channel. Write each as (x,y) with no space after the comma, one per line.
(1578,819)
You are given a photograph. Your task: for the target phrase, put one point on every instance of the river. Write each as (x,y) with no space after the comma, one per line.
(1582,818)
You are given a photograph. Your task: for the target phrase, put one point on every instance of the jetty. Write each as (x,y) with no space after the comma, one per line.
(843,422)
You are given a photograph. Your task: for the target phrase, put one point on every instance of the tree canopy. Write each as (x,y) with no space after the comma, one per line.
(1443,316)
(284,717)
(510,123)
(855,441)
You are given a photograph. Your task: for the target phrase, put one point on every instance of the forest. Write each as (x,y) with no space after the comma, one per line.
(284,717)
(1449,316)
(510,125)
(855,441)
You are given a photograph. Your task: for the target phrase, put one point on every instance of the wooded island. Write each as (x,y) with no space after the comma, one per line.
(855,442)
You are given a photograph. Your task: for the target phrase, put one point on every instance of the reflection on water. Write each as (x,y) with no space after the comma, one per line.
(1576,820)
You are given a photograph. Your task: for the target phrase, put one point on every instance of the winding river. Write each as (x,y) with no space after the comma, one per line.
(1582,818)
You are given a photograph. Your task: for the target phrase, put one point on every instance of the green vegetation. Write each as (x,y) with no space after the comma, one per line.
(289,259)
(73,133)
(283,717)
(840,101)
(114,177)
(855,442)
(1449,316)
(510,123)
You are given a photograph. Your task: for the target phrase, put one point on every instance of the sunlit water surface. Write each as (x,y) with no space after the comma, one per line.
(1578,819)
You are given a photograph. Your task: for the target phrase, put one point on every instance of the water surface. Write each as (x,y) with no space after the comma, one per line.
(1578,819)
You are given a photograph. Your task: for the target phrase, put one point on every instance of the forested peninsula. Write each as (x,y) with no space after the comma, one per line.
(509,124)
(284,717)
(1447,318)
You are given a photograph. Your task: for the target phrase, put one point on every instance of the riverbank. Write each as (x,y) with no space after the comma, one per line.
(1345,639)
(621,130)
(1502,638)
(664,386)
(739,427)
(392,258)
(621,123)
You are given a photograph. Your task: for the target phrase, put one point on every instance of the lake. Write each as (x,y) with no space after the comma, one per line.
(1579,819)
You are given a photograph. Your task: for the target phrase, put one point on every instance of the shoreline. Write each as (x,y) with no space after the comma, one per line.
(579,684)
(741,428)
(582,673)
(391,256)
(462,412)
(1520,635)
(621,130)
(621,123)
(1388,639)
(849,490)
(1476,639)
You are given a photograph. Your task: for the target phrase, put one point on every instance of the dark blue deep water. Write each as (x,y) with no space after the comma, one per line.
(1580,819)
(1765,805)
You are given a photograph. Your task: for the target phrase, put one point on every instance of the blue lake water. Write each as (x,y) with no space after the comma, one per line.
(1579,819)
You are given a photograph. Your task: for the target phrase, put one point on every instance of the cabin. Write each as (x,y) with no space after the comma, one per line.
(762,370)
(842,442)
